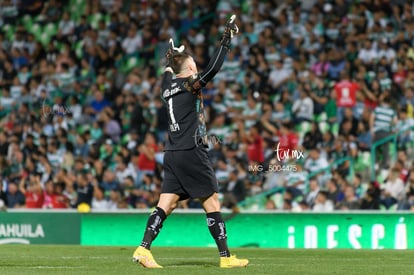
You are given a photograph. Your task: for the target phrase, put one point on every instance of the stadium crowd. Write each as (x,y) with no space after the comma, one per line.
(307,83)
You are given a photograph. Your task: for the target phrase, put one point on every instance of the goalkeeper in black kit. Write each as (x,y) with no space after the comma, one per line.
(187,170)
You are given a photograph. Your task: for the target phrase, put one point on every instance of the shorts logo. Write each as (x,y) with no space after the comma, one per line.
(210,221)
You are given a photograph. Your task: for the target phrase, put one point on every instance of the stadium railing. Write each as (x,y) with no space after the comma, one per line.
(393,140)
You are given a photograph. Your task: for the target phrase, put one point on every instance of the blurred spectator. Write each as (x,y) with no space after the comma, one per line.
(408,202)
(4,145)
(115,200)
(346,91)
(349,124)
(315,162)
(84,190)
(50,12)
(302,108)
(313,137)
(333,190)
(3,197)
(350,201)
(313,192)
(161,121)
(33,193)
(254,143)
(66,28)
(383,120)
(146,160)
(9,11)
(404,124)
(322,203)
(357,184)
(233,191)
(14,197)
(393,189)
(109,181)
(133,41)
(99,202)
(278,76)
(270,204)
(111,127)
(99,102)
(295,181)
(59,199)
(371,199)
(124,169)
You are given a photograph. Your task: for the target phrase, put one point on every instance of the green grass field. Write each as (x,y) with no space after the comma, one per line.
(34,259)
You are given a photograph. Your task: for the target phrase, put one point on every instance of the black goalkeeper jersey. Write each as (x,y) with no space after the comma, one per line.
(184,100)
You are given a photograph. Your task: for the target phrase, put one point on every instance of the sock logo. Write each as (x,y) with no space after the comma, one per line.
(222,234)
(211,221)
(154,226)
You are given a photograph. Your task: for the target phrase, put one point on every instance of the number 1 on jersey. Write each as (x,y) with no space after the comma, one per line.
(174,125)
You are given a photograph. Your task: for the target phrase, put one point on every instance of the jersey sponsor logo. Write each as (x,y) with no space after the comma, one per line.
(173,85)
(168,92)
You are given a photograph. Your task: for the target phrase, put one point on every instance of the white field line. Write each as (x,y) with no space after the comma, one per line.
(60,257)
(205,258)
(55,267)
(106,257)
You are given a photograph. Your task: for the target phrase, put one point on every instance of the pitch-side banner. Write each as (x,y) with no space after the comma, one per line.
(273,230)
(345,230)
(39,228)
(277,230)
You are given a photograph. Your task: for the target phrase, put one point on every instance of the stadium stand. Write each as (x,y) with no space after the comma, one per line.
(312,110)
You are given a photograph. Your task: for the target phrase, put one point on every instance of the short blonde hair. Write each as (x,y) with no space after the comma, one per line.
(178,61)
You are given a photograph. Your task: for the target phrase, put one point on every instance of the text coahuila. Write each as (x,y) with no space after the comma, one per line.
(21,231)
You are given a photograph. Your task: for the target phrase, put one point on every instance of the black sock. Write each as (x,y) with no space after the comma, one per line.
(218,231)
(154,226)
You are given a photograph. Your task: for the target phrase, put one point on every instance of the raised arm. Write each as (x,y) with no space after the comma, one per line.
(218,57)
(214,65)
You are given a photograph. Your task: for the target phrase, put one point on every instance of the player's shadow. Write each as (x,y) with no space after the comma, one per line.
(192,263)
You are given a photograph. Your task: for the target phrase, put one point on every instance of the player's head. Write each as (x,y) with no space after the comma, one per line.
(183,63)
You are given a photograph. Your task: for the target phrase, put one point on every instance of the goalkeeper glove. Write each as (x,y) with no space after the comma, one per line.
(170,52)
(229,31)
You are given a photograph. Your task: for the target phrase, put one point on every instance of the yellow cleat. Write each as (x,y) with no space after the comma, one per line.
(233,261)
(145,258)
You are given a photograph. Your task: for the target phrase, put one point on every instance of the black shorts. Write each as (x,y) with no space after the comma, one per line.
(189,174)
